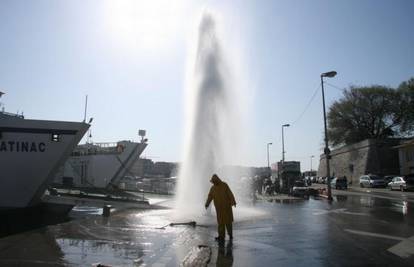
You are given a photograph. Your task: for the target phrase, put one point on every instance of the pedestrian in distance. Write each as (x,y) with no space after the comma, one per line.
(223,200)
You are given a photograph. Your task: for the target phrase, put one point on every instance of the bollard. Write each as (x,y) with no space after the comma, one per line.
(106,210)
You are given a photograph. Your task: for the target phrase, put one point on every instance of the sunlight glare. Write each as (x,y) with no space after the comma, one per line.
(145,24)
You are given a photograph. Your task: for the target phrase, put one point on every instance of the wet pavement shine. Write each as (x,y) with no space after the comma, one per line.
(353,230)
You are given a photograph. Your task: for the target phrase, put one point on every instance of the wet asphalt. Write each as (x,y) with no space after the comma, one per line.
(356,229)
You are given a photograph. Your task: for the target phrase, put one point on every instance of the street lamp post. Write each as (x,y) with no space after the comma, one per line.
(327,152)
(311,162)
(283,154)
(268,161)
(283,143)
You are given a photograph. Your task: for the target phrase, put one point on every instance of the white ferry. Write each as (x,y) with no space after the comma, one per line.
(100,165)
(31,153)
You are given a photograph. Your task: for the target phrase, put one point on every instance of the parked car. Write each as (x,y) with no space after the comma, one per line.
(339,183)
(299,189)
(371,180)
(388,178)
(402,183)
(308,180)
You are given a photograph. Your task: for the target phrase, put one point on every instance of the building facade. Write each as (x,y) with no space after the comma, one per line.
(366,157)
(406,157)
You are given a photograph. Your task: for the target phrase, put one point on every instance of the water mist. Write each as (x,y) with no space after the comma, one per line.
(213,122)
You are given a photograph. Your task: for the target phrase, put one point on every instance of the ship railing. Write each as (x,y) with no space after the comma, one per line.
(12,114)
(106,144)
(98,149)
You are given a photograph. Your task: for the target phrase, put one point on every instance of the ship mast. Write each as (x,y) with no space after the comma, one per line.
(86,108)
(1,104)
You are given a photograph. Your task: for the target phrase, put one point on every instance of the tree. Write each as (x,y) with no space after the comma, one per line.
(406,89)
(375,112)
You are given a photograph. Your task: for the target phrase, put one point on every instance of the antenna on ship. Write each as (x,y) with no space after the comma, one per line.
(142,133)
(89,137)
(1,104)
(86,108)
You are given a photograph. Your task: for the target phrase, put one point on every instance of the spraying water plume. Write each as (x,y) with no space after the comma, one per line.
(213,121)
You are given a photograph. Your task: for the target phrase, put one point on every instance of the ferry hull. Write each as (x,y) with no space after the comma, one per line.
(31,153)
(101,170)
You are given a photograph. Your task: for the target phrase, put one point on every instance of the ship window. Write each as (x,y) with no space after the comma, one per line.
(55,137)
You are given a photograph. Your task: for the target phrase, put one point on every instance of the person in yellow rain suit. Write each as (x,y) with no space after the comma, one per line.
(223,199)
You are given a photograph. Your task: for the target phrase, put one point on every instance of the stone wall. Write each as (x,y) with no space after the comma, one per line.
(368,156)
(406,153)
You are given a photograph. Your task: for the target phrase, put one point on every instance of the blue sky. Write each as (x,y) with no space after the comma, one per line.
(130,59)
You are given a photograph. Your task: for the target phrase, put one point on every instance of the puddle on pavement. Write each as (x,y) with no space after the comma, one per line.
(134,237)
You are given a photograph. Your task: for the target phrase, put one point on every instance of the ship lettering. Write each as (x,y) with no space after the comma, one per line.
(42,147)
(11,144)
(3,146)
(16,146)
(25,146)
(33,148)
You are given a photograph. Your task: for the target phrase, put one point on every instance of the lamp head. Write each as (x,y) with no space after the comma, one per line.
(329,74)
(286,125)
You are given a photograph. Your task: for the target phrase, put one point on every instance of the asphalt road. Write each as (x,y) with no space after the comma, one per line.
(358,228)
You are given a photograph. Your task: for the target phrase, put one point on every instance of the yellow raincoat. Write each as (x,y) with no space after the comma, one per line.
(223,199)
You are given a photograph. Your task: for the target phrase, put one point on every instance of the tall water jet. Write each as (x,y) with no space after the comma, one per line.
(213,121)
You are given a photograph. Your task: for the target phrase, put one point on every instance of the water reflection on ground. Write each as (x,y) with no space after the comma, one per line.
(302,233)
(225,255)
(99,251)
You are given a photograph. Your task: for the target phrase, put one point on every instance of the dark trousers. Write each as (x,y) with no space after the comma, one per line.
(222,232)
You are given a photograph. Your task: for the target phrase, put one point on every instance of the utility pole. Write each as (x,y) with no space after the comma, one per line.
(268,161)
(326,150)
(283,143)
(283,155)
(311,162)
